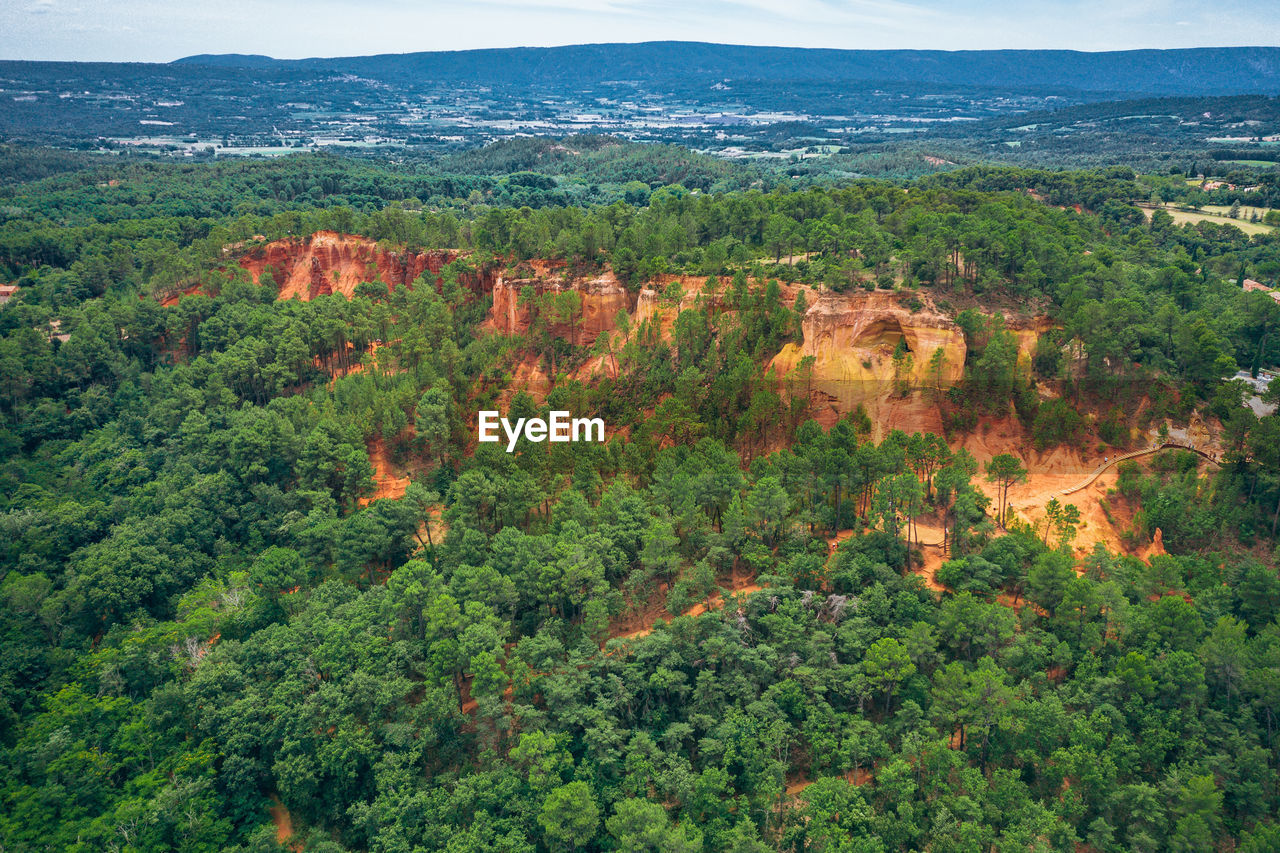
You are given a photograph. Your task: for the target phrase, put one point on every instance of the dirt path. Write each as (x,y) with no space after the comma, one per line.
(284,824)
(1049,476)
(931,538)
(1072,477)
(1146,451)
(930,535)
(834,542)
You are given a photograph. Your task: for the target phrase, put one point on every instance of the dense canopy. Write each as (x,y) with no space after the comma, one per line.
(710,632)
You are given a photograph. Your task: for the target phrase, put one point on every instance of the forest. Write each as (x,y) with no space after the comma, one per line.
(714,631)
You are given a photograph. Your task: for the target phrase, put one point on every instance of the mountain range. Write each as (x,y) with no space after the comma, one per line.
(1192,71)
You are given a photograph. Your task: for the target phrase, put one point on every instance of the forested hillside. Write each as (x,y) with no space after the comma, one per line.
(263,589)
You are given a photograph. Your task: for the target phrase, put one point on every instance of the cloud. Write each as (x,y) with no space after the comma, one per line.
(42,7)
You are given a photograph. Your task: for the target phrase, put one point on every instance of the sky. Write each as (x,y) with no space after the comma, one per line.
(155,31)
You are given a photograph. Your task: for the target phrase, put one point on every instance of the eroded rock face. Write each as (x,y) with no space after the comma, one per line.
(1157,543)
(327,262)
(653,305)
(600,300)
(852,339)
(1028,332)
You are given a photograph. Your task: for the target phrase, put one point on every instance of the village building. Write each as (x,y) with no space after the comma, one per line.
(1251,286)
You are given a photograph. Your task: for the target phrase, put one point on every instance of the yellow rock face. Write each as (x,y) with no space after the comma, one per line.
(852,338)
(1028,333)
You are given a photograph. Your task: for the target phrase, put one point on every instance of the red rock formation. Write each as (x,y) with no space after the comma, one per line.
(327,262)
(851,337)
(1028,332)
(654,306)
(1156,548)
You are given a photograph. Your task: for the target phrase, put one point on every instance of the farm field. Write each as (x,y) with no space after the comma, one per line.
(1216,214)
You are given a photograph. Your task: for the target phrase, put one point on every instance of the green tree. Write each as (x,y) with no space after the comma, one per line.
(569,816)
(887,664)
(641,826)
(1004,470)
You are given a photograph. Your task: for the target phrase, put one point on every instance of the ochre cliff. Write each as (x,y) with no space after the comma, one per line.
(327,262)
(655,304)
(602,297)
(600,300)
(852,338)
(1028,332)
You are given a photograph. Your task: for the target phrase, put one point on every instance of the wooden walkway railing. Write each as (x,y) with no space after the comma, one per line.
(1097,472)
(1155,448)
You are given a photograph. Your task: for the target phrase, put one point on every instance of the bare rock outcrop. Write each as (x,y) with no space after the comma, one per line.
(853,337)
(599,301)
(327,262)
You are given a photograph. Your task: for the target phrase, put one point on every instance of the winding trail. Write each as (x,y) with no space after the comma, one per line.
(1155,448)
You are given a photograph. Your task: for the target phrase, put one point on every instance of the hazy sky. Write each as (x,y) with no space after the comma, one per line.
(160,31)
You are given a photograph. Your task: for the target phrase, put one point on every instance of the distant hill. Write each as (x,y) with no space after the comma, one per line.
(228,60)
(1187,72)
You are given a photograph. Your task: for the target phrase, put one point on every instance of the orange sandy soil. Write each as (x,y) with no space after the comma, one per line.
(1048,473)
(529,375)
(931,537)
(797,784)
(339,262)
(650,305)
(834,542)
(385,482)
(284,824)
(173,298)
(693,288)
(469,705)
(656,610)
(391,484)
(336,373)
